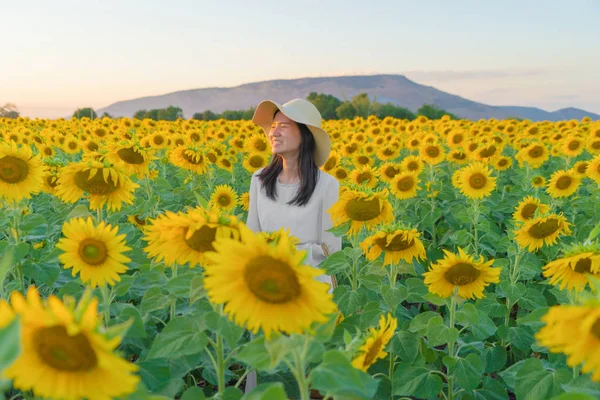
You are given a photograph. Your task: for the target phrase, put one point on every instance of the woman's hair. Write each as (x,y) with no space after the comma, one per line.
(307,169)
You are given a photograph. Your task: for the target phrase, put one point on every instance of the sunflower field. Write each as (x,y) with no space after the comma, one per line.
(469,269)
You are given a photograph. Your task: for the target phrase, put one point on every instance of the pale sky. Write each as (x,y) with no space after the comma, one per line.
(59,55)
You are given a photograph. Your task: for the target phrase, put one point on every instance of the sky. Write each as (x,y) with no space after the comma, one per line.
(59,55)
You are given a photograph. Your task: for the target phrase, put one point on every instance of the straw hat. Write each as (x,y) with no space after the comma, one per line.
(301,111)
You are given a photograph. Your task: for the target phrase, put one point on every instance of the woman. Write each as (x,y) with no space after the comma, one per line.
(292,192)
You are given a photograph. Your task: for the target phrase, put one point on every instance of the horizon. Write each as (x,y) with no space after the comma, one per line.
(64,57)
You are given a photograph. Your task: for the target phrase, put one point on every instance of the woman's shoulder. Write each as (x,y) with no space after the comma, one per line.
(257,172)
(328,179)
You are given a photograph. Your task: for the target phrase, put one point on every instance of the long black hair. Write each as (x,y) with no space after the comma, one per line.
(307,169)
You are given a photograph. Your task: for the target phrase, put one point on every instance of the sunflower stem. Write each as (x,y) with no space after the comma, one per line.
(148,190)
(475,223)
(432,197)
(392,275)
(98,215)
(451,311)
(220,365)
(107,299)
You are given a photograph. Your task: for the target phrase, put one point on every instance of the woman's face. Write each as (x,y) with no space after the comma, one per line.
(284,136)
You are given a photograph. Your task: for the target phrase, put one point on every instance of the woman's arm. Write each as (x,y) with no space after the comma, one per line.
(252,221)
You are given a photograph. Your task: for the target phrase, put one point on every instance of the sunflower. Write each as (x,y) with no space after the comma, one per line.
(104,185)
(340,173)
(572,146)
(185,237)
(572,270)
(397,244)
(257,143)
(538,181)
(580,168)
(543,230)
(95,252)
(527,208)
(332,161)
(457,156)
(455,139)
(475,180)
(388,171)
(374,345)
(245,201)
(366,176)
(412,164)
(361,208)
(534,154)
(563,183)
(225,163)
(593,169)
(388,153)
(224,198)
(575,331)
(254,161)
(64,352)
(275,236)
(432,153)
(133,158)
(462,271)
(189,158)
(138,221)
(405,185)
(265,286)
(593,145)
(21,173)
(157,140)
(503,163)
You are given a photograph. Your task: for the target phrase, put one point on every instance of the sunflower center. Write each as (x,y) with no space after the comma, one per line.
(574,145)
(477,180)
(391,171)
(363,209)
(13,170)
(373,351)
(398,243)
(51,181)
(488,152)
(541,230)
(330,163)
(582,168)
(224,200)
(388,152)
(63,352)
(462,274)
(456,139)
(256,161)
(192,158)
(563,182)
(93,251)
(459,155)
(271,280)
(583,266)
(202,239)
(502,162)
(260,145)
(158,140)
(364,177)
(96,184)
(537,180)
(412,166)
(130,156)
(596,329)
(405,184)
(363,160)
(432,151)
(535,152)
(528,211)
(341,174)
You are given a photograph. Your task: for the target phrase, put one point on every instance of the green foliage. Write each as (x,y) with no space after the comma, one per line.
(87,112)
(9,110)
(433,112)
(170,113)
(230,115)
(325,103)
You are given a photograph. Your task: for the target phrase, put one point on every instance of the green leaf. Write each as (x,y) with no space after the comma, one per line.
(434,299)
(255,354)
(419,322)
(494,359)
(10,344)
(125,312)
(180,285)
(337,377)
(34,227)
(271,391)
(349,301)
(521,338)
(197,291)
(122,287)
(416,290)
(484,328)
(406,346)
(467,315)
(393,296)
(509,375)
(182,336)
(574,396)
(513,292)
(583,384)
(534,382)
(336,263)
(7,260)
(532,300)
(467,371)
(232,393)
(532,319)
(416,381)
(193,393)
(154,300)
(438,333)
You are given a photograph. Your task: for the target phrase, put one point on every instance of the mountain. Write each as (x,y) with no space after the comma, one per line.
(396,89)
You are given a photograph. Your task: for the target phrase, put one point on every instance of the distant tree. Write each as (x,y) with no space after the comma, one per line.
(433,112)
(346,110)
(325,103)
(391,110)
(140,114)
(85,112)
(207,115)
(9,110)
(248,114)
(107,115)
(362,105)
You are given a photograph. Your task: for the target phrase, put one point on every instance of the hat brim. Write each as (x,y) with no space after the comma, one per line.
(264,114)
